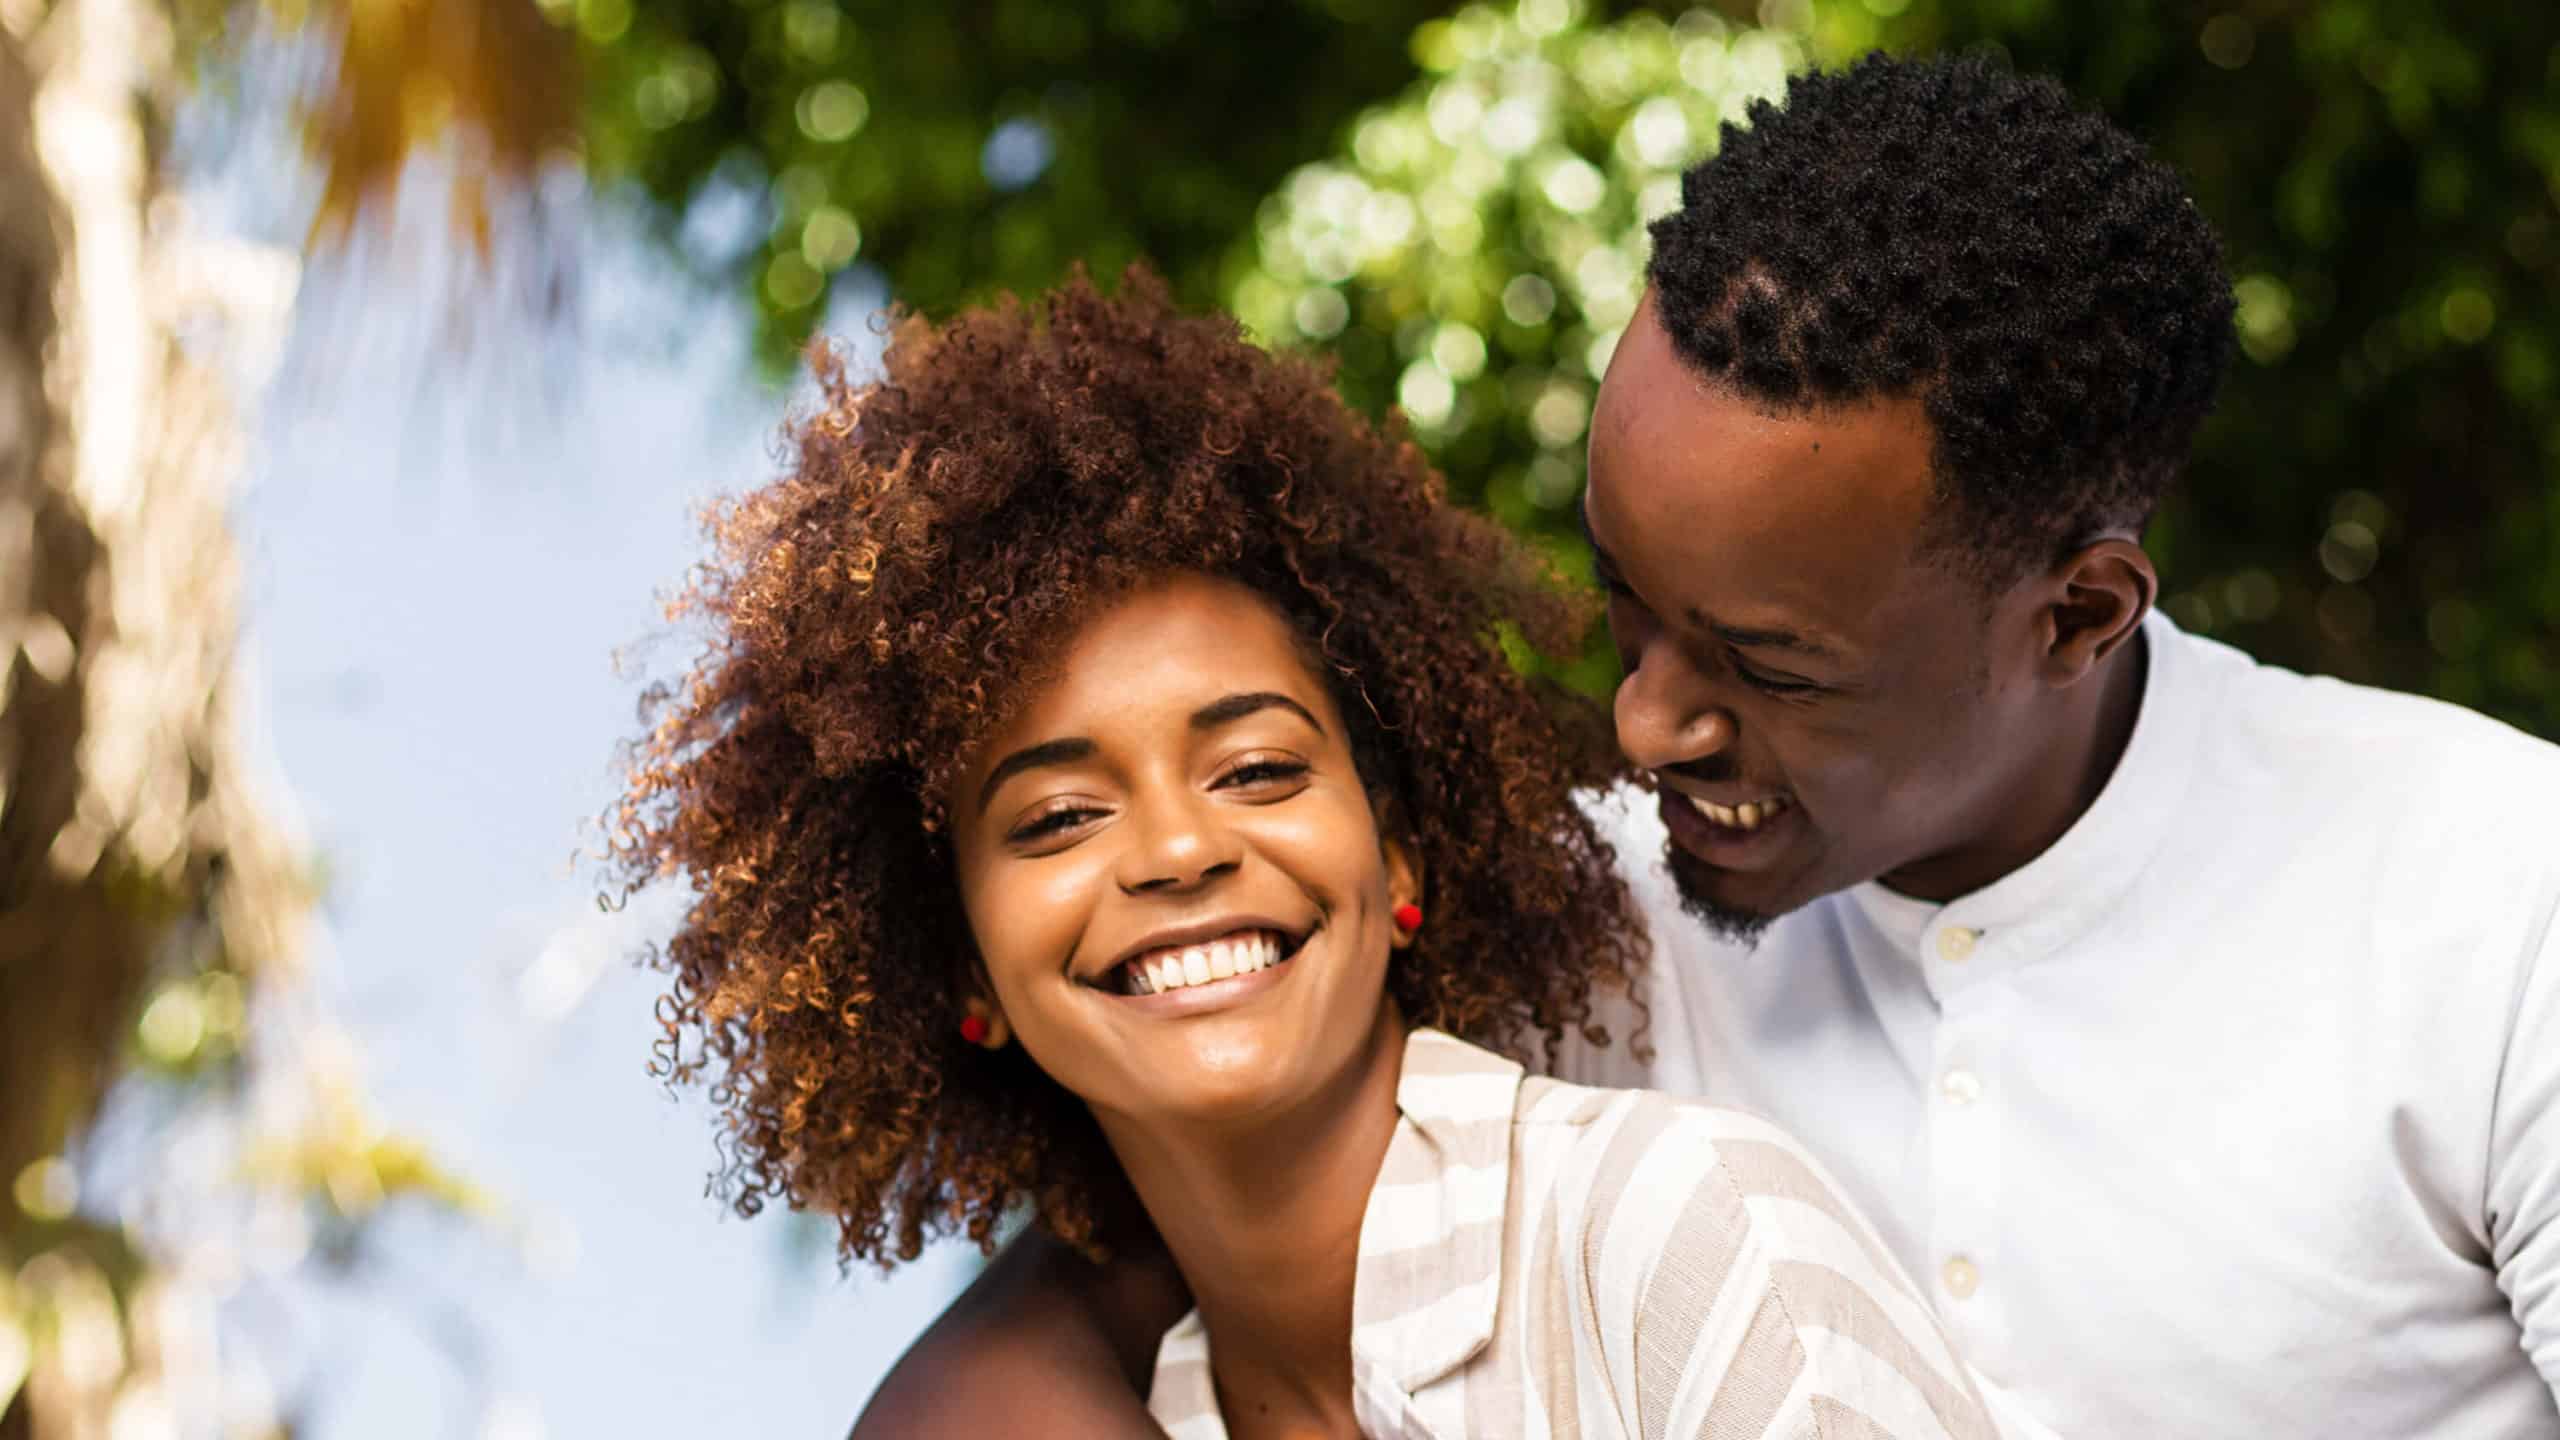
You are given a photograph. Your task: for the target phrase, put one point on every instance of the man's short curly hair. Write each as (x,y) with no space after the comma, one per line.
(878,609)
(1952,230)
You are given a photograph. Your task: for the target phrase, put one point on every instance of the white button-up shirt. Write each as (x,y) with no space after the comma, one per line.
(2237,1112)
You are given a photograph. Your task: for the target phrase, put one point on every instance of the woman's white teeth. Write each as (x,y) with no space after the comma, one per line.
(1201,964)
(1747,816)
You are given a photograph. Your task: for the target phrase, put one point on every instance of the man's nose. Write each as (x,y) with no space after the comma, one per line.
(1180,842)
(1665,715)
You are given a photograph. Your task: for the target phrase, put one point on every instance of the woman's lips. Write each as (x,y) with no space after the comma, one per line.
(1216,995)
(1179,967)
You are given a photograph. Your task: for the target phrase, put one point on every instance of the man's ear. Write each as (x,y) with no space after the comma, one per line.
(1404,885)
(2093,603)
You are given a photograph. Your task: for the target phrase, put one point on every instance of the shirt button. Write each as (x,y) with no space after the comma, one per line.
(1961,1087)
(1955,944)
(1960,1277)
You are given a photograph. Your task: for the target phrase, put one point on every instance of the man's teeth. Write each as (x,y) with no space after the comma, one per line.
(1747,816)
(1190,965)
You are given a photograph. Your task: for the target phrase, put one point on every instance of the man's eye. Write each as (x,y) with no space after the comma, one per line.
(1774,684)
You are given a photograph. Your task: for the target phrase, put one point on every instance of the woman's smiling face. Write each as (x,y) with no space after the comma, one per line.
(1172,868)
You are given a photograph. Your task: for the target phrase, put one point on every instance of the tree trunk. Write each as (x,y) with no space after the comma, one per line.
(130,851)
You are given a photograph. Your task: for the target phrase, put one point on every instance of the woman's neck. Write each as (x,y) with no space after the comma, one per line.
(1263,1219)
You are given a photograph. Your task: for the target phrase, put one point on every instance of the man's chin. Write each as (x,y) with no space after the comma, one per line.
(1698,882)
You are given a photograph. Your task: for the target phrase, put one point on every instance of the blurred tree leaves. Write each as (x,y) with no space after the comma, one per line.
(151,903)
(2379,494)
(974,146)
(1475,250)
(2376,498)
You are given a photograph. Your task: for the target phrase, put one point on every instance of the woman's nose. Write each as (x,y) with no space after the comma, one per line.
(1180,842)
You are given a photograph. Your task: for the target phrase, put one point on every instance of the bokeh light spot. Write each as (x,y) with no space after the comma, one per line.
(2228,40)
(1426,393)
(47,1190)
(791,282)
(2468,314)
(832,110)
(1458,350)
(830,238)
(1320,313)
(1528,300)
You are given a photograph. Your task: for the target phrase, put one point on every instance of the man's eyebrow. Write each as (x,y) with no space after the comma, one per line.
(1749,638)
(1033,757)
(1743,636)
(1236,707)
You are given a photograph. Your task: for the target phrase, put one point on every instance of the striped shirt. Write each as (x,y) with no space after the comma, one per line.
(1548,1260)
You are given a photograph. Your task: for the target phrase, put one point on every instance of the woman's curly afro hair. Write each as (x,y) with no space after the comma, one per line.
(1950,229)
(874,611)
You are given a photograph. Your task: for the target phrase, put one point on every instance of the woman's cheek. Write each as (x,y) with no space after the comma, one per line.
(1030,918)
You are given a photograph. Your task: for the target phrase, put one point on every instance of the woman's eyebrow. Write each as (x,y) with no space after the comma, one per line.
(1033,757)
(1072,749)
(1236,707)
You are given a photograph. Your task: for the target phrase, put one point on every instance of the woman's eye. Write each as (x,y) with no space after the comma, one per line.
(1263,772)
(1052,822)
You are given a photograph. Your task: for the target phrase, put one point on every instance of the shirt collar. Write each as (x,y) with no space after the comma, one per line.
(1430,1269)
(2044,904)
(1425,1297)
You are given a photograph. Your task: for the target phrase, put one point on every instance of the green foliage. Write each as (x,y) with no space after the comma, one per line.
(2379,495)
(912,137)
(2376,499)
(1474,252)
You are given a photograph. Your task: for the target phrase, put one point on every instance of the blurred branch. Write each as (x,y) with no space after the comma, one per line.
(491,83)
(148,895)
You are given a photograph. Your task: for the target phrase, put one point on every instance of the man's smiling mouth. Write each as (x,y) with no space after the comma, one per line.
(1748,816)
(1180,967)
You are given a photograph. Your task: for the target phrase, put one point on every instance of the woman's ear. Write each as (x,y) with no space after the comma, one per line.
(982,1021)
(1404,888)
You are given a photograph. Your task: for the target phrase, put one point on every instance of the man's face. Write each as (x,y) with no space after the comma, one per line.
(1821,701)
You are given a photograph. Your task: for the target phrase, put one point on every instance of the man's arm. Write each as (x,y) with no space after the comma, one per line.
(1043,1343)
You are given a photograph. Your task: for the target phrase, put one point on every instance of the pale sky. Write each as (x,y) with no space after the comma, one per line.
(439,568)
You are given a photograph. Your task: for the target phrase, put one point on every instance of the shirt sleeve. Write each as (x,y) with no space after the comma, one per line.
(1740,1296)
(2524,1157)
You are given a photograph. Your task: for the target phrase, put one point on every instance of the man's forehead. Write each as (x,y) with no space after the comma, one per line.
(1807,518)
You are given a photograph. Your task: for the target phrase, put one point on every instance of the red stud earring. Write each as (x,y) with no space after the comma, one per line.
(1408,917)
(973,1028)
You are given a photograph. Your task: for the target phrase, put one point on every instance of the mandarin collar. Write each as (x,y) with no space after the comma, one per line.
(2045,904)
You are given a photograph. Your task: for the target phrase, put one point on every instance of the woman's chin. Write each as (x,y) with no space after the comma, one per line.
(1237,1069)
(1236,1050)
(1224,1073)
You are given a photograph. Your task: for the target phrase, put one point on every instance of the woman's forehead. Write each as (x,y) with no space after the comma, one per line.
(1157,654)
